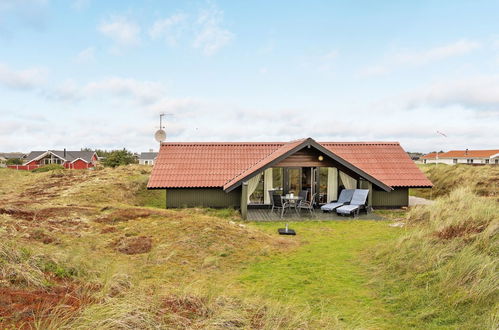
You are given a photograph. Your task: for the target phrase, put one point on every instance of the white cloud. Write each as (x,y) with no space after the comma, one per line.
(122,30)
(211,36)
(144,92)
(407,58)
(86,55)
(21,79)
(479,92)
(169,28)
(458,48)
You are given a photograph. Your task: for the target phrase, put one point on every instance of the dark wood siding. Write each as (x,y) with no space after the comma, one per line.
(306,158)
(395,198)
(193,197)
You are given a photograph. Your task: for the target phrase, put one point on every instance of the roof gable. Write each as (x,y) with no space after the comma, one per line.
(289,149)
(69,156)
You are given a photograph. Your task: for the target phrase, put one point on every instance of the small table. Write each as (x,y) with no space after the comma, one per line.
(293,201)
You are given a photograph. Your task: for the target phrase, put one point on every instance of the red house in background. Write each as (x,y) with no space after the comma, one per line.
(77,160)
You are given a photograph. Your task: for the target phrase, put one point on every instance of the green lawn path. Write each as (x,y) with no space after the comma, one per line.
(328,272)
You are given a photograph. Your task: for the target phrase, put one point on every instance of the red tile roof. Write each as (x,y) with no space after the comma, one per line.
(469,153)
(220,164)
(463,154)
(431,155)
(386,161)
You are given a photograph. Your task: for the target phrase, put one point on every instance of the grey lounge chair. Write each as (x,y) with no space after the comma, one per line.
(344,198)
(358,202)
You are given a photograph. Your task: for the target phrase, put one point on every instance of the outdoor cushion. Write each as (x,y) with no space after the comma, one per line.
(345,197)
(359,199)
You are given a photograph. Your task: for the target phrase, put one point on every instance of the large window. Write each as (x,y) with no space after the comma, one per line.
(323,184)
(277,178)
(294,182)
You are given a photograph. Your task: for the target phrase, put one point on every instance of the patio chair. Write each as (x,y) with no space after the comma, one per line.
(344,198)
(358,202)
(271,193)
(307,204)
(279,204)
(303,194)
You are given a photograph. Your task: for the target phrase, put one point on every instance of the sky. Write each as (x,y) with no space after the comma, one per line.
(97,74)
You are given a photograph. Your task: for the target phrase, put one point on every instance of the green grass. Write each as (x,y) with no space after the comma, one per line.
(327,272)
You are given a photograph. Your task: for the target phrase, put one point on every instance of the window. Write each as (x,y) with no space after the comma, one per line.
(294,180)
(454,161)
(469,161)
(496,161)
(277,181)
(486,161)
(323,184)
(424,161)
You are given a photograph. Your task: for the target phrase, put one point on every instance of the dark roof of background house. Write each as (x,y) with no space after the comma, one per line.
(148,155)
(70,155)
(11,155)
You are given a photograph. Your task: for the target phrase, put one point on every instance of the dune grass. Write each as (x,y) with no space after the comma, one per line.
(66,241)
(482,180)
(444,271)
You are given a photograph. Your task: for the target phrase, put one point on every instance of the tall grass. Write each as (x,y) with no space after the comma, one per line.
(483,180)
(444,271)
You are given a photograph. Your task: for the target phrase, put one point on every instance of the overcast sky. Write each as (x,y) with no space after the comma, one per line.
(88,73)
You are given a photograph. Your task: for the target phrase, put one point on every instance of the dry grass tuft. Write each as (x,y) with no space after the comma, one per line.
(134,245)
(444,270)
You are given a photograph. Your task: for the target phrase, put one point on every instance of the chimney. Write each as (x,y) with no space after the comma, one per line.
(64,153)
(466,152)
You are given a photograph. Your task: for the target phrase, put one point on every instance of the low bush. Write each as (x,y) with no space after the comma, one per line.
(47,168)
(443,272)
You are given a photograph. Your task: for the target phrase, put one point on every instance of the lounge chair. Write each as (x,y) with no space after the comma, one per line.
(343,199)
(358,202)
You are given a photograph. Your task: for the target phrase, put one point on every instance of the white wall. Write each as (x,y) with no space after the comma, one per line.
(146,162)
(450,161)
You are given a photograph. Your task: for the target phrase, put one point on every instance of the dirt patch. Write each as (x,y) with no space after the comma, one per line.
(108,229)
(43,237)
(462,230)
(19,308)
(17,213)
(134,245)
(46,213)
(126,215)
(182,311)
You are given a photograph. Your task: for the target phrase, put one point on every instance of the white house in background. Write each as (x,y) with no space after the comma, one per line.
(471,157)
(147,158)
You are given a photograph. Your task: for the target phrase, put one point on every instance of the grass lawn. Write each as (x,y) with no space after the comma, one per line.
(327,273)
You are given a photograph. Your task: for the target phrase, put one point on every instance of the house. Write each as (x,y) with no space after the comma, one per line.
(472,157)
(240,174)
(69,159)
(147,158)
(4,156)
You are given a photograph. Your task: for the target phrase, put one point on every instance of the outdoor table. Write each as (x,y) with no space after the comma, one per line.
(293,201)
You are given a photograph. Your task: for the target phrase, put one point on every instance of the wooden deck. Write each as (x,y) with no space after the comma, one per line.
(291,215)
